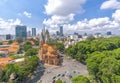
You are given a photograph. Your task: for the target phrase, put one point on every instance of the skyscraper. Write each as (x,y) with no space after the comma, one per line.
(33,32)
(29,34)
(109,33)
(8,37)
(61,30)
(57,33)
(21,31)
(45,35)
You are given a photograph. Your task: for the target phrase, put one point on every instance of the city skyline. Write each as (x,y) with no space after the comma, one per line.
(76,16)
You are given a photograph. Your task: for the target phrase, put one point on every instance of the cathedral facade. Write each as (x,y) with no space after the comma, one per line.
(48,54)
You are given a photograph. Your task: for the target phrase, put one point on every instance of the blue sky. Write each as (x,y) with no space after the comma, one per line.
(92,10)
(76,16)
(10,9)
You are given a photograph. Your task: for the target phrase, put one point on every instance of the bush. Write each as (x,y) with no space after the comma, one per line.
(80,79)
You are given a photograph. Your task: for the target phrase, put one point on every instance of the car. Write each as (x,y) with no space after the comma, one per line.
(67,73)
(74,71)
(53,77)
(58,75)
(70,76)
(63,75)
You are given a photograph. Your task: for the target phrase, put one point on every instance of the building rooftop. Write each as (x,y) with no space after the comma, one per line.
(5,42)
(15,43)
(13,49)
(10,48)
(32,42)
(5,61)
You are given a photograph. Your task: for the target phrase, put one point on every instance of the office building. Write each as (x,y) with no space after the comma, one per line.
(75,33)
(85,34)
(61,31)
(57,33)
(109,33)
(29,34)
(2,38)
(8,37)
(21,31)
(33,32)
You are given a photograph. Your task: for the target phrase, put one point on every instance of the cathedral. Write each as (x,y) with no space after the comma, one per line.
(48,54)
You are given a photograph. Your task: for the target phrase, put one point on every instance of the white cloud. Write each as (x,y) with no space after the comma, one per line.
(27,14)
(64,7)
(97,24)
(93,25)
(110,4)
(55,21)
(8,26)
(116,16)
(58,20)
(62,12)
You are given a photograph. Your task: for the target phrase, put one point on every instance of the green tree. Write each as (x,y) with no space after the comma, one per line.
(59,81)
(1,74)
(31,52)
(27,46)
(90,38)
(21,70)
(36,42)
(116,78)
(10,41)
(0,43)
(80,79)
(9,69)
(93,62)
(108,67)
(102,56)
(60,46)
(19,39)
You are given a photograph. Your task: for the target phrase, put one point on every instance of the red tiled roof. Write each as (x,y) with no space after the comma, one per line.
(5,42)
(15,43)
(5,61)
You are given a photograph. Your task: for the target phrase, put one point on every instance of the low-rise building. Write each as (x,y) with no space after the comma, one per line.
(4,62)
(9,49)
(5,43)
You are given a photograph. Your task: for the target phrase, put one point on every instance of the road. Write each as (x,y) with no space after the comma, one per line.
(69,66)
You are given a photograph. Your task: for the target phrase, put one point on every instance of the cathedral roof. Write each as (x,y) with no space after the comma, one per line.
(51,49)
(45,45)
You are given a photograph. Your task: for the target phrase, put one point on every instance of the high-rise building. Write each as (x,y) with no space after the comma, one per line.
(29,34)
(85,34)
(34,32)
(75,33)
(109,33)
(21,31)
(45,35)
(57,33)
(8,37)
(61,30)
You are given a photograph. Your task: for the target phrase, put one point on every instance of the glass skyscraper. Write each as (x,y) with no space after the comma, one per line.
(8,37)
(21,31)
(33,32)
(61,30)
